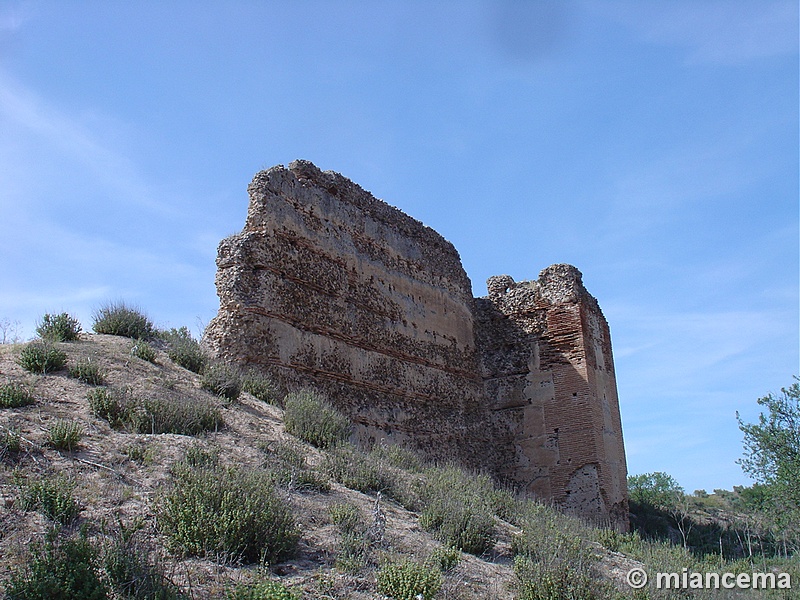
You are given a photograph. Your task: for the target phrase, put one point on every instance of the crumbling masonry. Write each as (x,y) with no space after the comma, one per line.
(330,287)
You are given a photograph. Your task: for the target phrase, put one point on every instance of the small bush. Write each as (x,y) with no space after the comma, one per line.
(14,395)
(59,328)
(409,580)
(51,496)
(222,380)
(354,540)
(184,350)
(119,318)
(457,509)
(197,456)
(42,356)
(399,457)
(142,349)
(354,469)
(558,581)
(265,590)
(182,416)
(446,557)
(107,405)
(260,386)
(10,441)
(286,462)
(131,572)
(64,434)
(227,513)
(65,568)
(87,371)
(312,419)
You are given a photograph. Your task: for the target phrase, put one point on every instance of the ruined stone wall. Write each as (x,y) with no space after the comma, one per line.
(550,382)
(328,286)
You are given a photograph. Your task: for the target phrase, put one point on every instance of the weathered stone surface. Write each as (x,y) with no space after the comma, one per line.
(328,286)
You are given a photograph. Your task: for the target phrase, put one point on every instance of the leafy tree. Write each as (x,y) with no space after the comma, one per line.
(772,457)
(662,491)
(656,489)
(772,446)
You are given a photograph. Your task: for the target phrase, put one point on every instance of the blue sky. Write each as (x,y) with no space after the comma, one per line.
(654,145)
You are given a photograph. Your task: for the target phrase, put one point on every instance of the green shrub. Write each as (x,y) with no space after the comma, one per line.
(10,441)
(59,328)
(457,509)
(119,318)
(286,462)
(311,418)
(142,349)
(222,380)
(399,457)
(559,581)
(446,557)
(64,434)
(42,356)
(354,469)
(197,456)
(167,414)
(87,371)
(183,416)
(227,513)
(106,404)
(408,580)
(260,386)
(265,590)
(184,350)
(51,496)
(14,395)
(354,539)
(131,572)
(59,569)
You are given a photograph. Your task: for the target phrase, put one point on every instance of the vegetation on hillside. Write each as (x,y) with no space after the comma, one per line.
(145,470)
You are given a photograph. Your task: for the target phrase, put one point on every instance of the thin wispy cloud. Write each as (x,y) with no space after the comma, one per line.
(720,32)
(66,135)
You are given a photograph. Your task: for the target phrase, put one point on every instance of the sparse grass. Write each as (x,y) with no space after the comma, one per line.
(457,509)
(264,590)
(63,568)
(184,350)
(163,414)
(59,328)
(15,395)
(228,514)
(119,318)
(64,434)
(42,356)
(313,419)
(50,495)
(223,380)
(88,371)
(142,349)
(260,386)
(409,580)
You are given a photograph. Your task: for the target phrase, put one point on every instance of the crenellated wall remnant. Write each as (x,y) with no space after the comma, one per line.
(328,286)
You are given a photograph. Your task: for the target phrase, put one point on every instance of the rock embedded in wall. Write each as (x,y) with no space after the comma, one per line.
(328,286)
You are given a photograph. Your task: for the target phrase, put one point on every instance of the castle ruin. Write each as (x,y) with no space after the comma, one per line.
(330,287)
